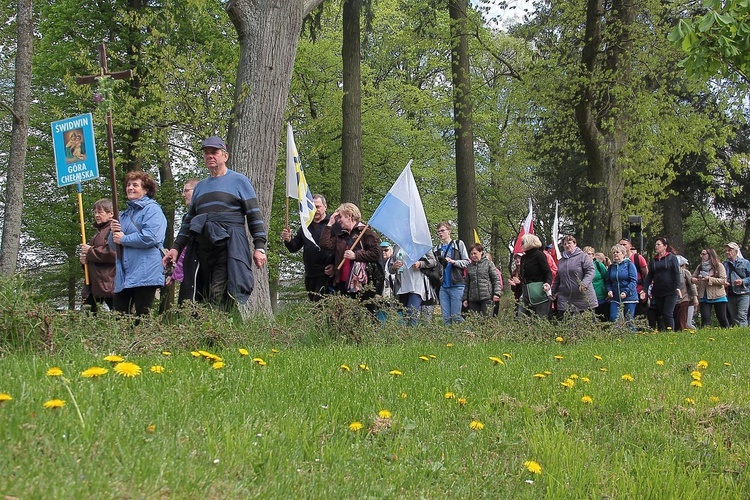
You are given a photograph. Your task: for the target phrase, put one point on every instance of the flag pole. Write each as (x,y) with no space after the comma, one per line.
(83,231)
(287,212)
(354,244)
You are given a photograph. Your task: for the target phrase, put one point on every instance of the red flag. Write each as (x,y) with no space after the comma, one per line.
(527,228)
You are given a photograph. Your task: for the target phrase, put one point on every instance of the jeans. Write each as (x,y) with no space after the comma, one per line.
(628,310)
(737,306)
(451,299)
(665,309)
(412,302)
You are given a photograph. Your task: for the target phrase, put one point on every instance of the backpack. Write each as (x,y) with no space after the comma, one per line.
(434,274)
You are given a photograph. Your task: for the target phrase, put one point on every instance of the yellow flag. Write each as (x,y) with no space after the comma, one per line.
(476,237)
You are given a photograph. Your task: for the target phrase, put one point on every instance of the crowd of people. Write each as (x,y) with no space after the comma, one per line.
(212,259)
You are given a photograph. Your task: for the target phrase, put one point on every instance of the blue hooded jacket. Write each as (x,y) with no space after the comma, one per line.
(139,260)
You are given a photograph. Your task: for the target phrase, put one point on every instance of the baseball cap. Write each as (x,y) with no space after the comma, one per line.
(214,142)
(733,246)
(385,244)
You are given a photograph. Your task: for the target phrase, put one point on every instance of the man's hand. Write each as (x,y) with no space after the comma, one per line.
(259,258)
(169,258)
(286,235)
(329,270)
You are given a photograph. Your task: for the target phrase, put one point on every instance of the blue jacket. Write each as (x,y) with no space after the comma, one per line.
(622,277)
(139,260)
(740,268)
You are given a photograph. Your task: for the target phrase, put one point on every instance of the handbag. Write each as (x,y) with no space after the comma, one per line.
(434,274)
(534,293)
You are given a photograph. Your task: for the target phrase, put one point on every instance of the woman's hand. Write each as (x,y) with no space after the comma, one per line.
(610,294)
(348,254)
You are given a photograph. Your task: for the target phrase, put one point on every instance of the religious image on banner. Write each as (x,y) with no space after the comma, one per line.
(75,146)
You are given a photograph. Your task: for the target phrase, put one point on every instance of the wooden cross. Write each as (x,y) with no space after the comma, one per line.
(87,80)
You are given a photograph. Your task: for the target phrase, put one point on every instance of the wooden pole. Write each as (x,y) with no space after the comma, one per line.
(355,243)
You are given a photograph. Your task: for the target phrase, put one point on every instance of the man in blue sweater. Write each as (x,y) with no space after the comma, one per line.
(738,284)
(217,266)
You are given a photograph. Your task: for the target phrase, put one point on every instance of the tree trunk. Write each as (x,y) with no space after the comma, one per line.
(268,33)
(604,144)
(466,190)
(167,178)
(672,220)
(351,107)
(11,237)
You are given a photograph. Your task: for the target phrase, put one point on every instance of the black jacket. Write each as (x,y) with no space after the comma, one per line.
(315,258)
(534,267)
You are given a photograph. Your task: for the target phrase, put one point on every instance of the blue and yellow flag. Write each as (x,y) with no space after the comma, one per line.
(296,184)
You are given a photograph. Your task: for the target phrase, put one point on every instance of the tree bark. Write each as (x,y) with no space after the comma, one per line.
(19,133)
(603,144)
(351,107)
(466,190)
(268,32)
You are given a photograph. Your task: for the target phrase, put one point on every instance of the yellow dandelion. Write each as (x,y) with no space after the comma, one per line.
(364,367)
(54,372)
(559,358)
(476,425)
(274,351)
(213,357)
(659,362)
(587,400)
(497,360)
(114,358)
(696,375)
(355,426)
(546,372)
(506,355)
(574,376)
(696,383)
(54,403)
(585,379)
(157,369)
(703,364)
(449,344)
(195,354)
(395,373)
(127,369)
(259,361)
(432,356)
(94,371)
(559,339)
(462,401)
(345,368)
(533,467)
(539,375)
(218,365)
(598,357)
(243,351)
(385,414)
(689,401)
(166,353)
(424,358)
(727,364)
(402,395)
(4,396)
(603,369)
(710,339)
(205,354)
(714,399)
(262,363)
(151,428)
(568,383)
(450,395)
(627,377)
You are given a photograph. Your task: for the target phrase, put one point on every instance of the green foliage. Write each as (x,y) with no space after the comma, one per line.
(716,39)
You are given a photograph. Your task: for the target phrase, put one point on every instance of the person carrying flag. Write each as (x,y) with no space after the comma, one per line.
(318,261)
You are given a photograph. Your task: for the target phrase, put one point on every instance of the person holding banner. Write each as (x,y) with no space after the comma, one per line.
(100,260)
(140,235)
(318,262)
(354,246)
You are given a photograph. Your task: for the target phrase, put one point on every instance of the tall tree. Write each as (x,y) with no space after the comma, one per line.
(351,106)
(466,190)
(268,33)
(17,159)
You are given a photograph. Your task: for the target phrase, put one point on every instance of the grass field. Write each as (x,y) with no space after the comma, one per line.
(640,416)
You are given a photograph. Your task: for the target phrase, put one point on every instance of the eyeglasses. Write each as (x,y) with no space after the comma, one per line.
(187,190)
(704,253)
(442,230)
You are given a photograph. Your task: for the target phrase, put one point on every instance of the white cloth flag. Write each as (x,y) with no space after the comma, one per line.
(401,217)
(296,184)
(556,232)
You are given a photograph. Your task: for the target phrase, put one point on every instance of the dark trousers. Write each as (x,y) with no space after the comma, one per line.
(316,286)
(721,313)
(662,308)
(140,297)
(680,315)
(211,283)
(484,307)
(95,303)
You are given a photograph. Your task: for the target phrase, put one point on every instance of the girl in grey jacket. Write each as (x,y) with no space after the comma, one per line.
(482,282)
